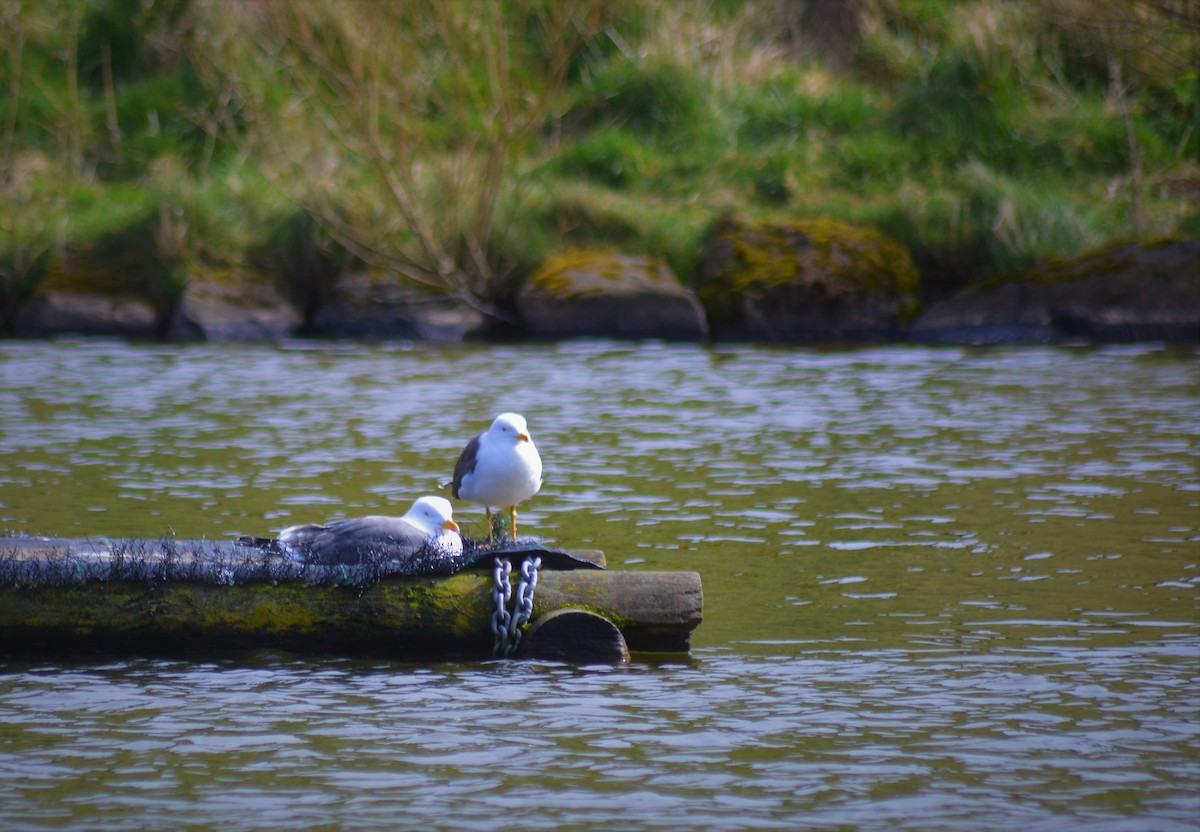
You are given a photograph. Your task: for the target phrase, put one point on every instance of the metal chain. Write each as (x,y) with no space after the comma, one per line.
(523,606)
(501,592)
(506,627)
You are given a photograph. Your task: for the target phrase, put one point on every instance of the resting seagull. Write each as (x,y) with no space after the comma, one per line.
(427,529)
(499,467)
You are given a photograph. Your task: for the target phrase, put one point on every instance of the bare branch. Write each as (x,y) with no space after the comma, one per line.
(409,112)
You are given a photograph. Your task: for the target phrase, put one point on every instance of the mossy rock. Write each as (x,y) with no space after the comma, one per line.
(226,304)
(79,300)
(582,293)
(22,267)
(1123,293)
(126,283)
(806,280)
(80,313)
(380,306)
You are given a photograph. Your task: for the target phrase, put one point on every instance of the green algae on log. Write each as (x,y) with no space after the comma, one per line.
(806,280)
(426,617)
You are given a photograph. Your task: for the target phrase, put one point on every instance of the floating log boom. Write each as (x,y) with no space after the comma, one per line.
(175,604)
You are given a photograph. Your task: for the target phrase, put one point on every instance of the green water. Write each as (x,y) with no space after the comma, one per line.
(944,589)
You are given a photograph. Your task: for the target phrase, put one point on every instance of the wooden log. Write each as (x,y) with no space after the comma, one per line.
(394,616)
(655,611)
(575,636)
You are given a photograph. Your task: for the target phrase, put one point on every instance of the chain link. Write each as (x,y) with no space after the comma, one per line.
(501,592)
(523,606)
(506,627)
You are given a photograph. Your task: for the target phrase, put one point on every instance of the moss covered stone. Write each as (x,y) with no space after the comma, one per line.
(599,293)
(128,282)
(374,304)
(221,304)
(805,280)
(1130,292)
(89,301)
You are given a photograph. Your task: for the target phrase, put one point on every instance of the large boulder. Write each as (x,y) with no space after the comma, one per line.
(220,306)
(1130,292)
(257,306)
(380,307)
(806,280)
(80,299)
(595,293)
(234,306)
(60,312)
(126,282)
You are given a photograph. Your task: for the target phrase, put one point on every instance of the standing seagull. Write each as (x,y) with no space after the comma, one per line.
(425,531)
(499,467)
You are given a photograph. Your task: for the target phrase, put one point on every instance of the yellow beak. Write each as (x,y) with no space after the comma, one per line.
(522,437)
(451,525)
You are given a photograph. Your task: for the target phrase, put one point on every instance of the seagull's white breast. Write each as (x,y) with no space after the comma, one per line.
(506,472)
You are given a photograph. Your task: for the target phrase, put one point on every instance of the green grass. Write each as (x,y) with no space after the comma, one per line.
(983,135)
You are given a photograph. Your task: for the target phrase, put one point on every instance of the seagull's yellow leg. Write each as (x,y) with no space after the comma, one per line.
(488,509)
(512,521)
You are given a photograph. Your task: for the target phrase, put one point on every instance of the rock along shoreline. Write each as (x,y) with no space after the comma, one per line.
(814,282)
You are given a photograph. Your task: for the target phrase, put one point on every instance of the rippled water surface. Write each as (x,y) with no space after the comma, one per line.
(944,589)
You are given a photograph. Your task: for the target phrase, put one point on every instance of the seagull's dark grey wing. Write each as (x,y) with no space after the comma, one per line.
(357,540)
(465,465)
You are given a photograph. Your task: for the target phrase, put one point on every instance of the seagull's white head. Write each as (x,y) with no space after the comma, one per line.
(511,426)
(433,515)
